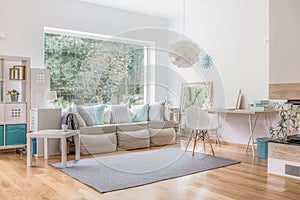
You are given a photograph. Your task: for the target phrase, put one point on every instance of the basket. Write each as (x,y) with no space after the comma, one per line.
(262,147)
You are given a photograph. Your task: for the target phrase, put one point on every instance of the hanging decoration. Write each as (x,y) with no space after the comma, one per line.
(184,53)
(207,61)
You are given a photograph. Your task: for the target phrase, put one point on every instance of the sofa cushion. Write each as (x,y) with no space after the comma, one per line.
(156,111)
(133,139)
(160,137)
(100,129)
(94,144)
(141,112)
(160,125)
(131,126)
(120,114)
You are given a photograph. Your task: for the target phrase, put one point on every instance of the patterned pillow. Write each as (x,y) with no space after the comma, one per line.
(79,118)
(86,116)
(96,113)
(120,114)
(141,113)
(156,111)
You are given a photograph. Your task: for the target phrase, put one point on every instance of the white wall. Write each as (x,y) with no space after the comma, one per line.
(234,33)
(23,23)
(284,41)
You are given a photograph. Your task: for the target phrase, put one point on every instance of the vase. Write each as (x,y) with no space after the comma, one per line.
(14,98)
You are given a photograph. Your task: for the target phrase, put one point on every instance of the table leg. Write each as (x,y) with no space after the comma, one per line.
(251,130)
(63,152)
(77,146)
(29,152)
(45,148)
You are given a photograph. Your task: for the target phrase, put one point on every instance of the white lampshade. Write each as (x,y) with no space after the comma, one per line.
(51,95)
(184,53)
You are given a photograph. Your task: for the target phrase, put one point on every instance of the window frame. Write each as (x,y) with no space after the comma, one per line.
(149,54)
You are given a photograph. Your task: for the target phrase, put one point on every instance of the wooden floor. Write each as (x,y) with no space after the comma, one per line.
(247,180)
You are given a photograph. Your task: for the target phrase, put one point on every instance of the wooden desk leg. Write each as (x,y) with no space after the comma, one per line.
(29,152)
(45,148)
(77,146)
(251,139)
(63,152)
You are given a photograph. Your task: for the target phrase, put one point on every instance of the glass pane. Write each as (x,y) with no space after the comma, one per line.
(90,71)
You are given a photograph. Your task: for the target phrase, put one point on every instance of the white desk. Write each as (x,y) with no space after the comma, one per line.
(252,124)
(58,134)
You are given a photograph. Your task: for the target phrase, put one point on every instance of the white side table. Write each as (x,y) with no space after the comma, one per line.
(58,134)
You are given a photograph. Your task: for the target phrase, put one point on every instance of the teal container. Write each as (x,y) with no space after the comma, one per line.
(262,147)
(34,146)
(1,136)
(15,134)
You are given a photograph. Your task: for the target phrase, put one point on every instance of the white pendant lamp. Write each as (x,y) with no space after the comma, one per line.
(184,53)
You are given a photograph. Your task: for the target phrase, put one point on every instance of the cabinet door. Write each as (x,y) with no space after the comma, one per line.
(15,134)
(15,113)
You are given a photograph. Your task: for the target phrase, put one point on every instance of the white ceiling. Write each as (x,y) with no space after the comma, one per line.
(158,8)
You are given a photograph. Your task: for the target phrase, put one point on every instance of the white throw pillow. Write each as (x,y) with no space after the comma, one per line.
(156,111)
(107,113)
(86,116)
(120,114)
(79,118)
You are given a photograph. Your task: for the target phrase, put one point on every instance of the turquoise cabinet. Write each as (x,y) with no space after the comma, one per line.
(1,135)
(15,134)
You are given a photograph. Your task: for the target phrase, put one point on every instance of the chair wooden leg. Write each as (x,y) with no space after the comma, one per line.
(189,140)
(207,137)
(217,138)
(203,140)
(195,141)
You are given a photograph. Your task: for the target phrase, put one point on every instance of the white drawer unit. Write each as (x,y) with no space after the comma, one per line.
(15,113)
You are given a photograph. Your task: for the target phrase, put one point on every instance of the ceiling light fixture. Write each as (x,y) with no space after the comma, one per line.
(184,53)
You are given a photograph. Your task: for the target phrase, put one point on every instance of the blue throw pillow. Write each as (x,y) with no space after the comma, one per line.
(141,113)
(99,112)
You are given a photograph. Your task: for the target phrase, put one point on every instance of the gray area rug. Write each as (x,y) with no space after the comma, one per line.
(121,171)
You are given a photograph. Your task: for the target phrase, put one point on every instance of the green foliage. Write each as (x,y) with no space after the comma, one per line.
(13,92)
(87,70)
(288,122)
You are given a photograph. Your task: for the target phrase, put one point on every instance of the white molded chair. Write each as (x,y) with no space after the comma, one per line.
(200,122)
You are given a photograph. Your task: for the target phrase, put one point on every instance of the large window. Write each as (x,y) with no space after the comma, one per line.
(88,70)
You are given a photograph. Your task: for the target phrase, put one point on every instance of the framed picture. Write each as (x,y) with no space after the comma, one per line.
(195,94)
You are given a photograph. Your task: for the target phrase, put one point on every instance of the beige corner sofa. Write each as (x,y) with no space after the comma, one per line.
(111,137)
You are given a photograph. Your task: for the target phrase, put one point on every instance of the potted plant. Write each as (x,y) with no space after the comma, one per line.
(288,124)
(14,95)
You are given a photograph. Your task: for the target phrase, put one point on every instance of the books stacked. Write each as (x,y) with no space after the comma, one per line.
(260,105)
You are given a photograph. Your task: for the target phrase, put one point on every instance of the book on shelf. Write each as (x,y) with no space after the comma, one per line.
(261,101)
(255,108)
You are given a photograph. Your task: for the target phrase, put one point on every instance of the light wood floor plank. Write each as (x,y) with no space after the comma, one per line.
(247,180)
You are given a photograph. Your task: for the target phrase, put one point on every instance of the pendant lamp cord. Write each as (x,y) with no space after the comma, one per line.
(183,19)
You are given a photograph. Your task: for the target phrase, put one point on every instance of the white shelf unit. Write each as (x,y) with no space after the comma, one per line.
(14,116)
